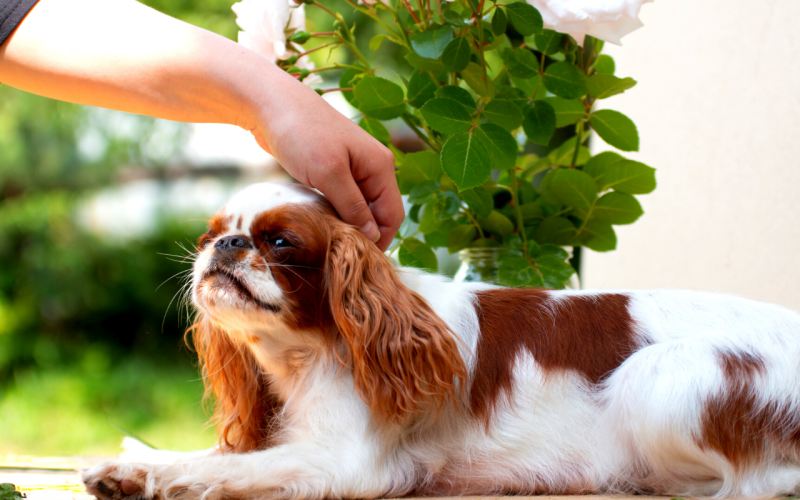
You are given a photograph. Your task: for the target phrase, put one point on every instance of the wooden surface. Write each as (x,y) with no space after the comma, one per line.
(55,478)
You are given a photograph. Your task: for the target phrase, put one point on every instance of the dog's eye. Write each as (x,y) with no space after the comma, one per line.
(280,243)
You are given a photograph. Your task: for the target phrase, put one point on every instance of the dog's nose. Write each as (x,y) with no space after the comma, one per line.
(232,242)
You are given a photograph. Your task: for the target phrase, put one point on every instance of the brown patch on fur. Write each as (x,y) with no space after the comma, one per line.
(403,355)
(246,411)
(219,224)
(591,335)
(298,269)
(239,223)
(740,426)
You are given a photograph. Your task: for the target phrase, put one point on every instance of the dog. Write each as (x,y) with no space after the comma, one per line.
(338,374)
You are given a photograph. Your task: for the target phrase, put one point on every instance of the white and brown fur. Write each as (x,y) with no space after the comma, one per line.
(337,374)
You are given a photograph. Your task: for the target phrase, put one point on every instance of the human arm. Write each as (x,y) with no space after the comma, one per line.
(122,55)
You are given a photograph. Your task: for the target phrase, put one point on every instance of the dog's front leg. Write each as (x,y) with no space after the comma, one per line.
(284,472)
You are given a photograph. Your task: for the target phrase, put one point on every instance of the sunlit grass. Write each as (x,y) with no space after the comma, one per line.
(84,410)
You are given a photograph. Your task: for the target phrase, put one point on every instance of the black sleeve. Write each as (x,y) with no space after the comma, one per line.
(11,14)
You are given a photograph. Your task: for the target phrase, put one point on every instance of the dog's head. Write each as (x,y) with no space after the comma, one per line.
(278,270)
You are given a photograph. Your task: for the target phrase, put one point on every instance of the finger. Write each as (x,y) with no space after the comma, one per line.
(338,185)
(373,169)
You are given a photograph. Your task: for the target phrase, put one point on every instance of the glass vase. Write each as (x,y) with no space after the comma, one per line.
(481,264)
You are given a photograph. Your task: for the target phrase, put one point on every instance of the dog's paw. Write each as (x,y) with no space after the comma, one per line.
(115,481)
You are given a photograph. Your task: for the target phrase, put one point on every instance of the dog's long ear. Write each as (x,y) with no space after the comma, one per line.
(403,355)
(245,409)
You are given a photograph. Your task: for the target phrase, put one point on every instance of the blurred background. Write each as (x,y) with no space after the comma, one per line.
(98,210)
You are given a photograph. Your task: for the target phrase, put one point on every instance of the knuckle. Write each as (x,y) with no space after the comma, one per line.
(356,208)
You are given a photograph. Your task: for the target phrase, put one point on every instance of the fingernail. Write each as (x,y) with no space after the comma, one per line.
(370,230)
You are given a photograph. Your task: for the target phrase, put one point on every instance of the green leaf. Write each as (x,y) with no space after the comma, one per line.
(417,168)
(555,230)
(501,146)
(549,41)
(504,113)
(617,208)
(419,62)
(447,205)
(499,22)
(530,211)
(555,267)
(429,222)
(457,94)
(376,41)
(630,177)
(460,236)
(557,252)
(568,111)
(479,200)
(616,129)
(348,79)
(603,86)
(376,129)
(439,237)
(515,271)
(572,187)
(485,243)
(431,44)
(605,65)
(565,153)
(540,122)
(466,161)
(565,80)
(424,192)
(521,63)
(421,88)
(597,166)
(446,116)
(456,54)
(599,236)
(379,98)
(473,75)
(414,253)
(488,36)
(497,223)
(525,18)
(515,95)
(454,19)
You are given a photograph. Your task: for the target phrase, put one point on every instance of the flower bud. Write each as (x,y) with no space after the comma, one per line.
(293,70)
(290,61)
(319,91)
(303,73)
(299,37)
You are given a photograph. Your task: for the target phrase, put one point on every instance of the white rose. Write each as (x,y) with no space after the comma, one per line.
(264,22)
(607,20)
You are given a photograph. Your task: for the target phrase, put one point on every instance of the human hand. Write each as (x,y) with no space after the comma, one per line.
(319,147)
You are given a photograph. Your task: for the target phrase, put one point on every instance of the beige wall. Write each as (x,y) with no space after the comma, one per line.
(718,112)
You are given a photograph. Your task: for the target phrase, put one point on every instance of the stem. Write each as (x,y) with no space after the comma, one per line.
(479,20)
(358,54)
(319,48)
(578,141)
(420,134)
(325,91)
(408,6)
(325,9)
(512,175)
(475,222)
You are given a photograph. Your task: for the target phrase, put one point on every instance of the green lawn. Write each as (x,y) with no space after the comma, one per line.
(84,410)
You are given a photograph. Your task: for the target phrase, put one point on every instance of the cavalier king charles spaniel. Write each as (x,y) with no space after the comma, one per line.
(337,374)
